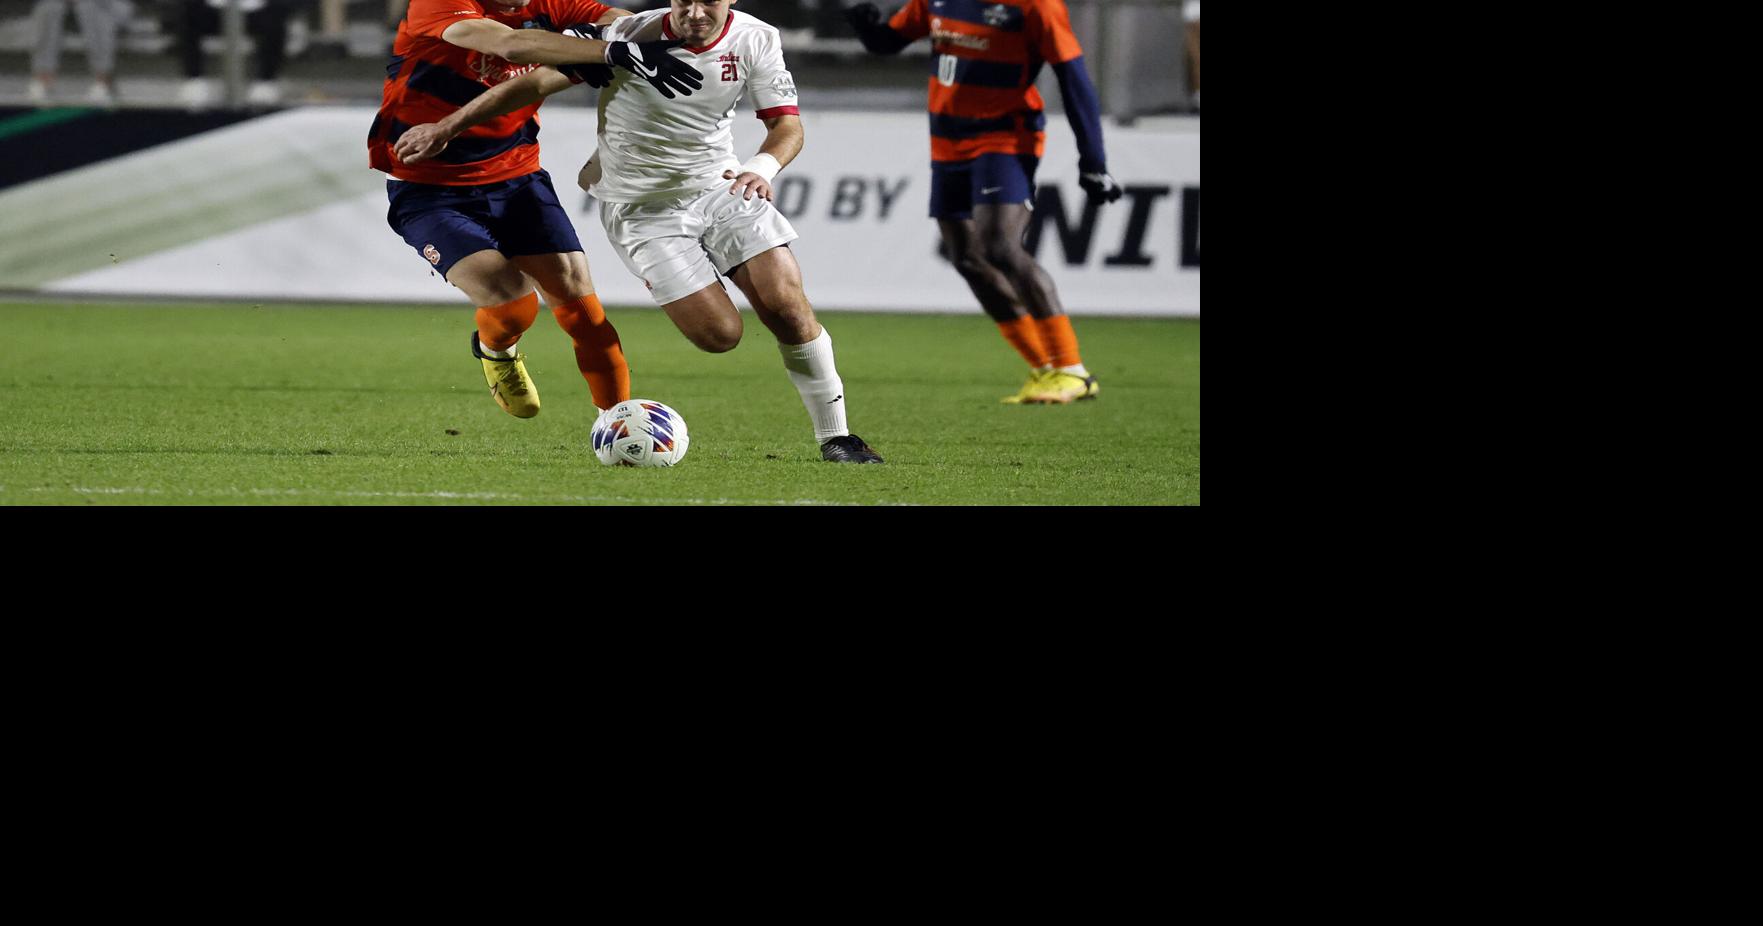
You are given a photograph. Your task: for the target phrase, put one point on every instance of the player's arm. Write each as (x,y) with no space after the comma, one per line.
(422,142)
(1084,111)
(877,36)
(1048,26)
(524,46)
(648,60)
(611,16)
(783,141)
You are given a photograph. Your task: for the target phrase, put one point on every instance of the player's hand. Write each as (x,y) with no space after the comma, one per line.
(420,143)
(863,16)
(1100,186)
(875,33)
(594,75)
(651,62)
(748,185)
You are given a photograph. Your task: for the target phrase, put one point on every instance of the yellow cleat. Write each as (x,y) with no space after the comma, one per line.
(1028,388)
(1061,388)
(510,385)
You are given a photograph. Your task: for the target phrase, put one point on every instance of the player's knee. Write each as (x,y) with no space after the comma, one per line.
(716,342)
(505,293)
(971,264)
(569,284)
(1007,255)
(490,287)
(720,337)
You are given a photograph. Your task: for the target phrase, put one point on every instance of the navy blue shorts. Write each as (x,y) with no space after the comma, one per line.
(519,217)
(957,186)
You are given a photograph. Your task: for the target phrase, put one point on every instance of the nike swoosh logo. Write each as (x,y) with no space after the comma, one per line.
(642,67)
(990,190)
(835,400)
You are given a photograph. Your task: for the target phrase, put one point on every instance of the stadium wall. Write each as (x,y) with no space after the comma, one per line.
(283,207)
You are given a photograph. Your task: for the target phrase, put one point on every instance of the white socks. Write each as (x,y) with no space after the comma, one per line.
(817,379)
(495,354)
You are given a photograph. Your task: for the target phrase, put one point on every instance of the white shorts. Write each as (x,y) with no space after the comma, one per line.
(677,248)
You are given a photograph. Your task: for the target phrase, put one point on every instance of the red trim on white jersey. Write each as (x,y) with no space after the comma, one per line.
(776,111)
(727,24)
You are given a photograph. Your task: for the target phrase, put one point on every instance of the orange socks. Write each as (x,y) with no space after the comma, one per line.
(1043,342)
(499,326)
(597,352)
(1025,336)
(1061,341)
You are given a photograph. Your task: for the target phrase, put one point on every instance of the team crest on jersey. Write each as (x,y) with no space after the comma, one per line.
(434,256)
(997,16)
(784,85)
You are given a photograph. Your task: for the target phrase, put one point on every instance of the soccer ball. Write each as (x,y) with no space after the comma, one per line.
(640,432)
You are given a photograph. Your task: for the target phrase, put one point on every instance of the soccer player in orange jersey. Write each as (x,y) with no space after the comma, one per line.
(683,211)
(986,140)
(483,213)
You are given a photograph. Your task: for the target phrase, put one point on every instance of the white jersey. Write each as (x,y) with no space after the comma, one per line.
(654,149)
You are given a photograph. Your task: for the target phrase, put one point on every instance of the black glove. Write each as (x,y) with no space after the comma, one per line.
(876,36)
(1100,186)
(651,62)
(863,16)
(594,75)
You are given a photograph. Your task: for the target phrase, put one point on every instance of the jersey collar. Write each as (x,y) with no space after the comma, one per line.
(667,30)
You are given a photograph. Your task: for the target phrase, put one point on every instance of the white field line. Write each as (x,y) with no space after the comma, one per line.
(464,496)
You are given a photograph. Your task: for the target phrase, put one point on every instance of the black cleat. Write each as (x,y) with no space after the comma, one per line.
(848,449)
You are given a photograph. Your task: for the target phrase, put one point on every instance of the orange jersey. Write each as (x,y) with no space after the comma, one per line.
(987,55)
(430,78)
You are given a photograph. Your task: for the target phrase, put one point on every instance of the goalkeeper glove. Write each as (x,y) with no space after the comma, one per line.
(651,62)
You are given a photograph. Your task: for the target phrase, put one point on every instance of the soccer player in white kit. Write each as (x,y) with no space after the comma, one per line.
(677,204)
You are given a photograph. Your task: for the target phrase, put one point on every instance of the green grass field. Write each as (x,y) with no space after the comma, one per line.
(373,405)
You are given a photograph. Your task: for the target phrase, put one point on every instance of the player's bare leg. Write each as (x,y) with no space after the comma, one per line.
(708,318)
(569,289)
(507,305)
(561,276)
(1000,229)
(488,278)
(772,282)
(996,294)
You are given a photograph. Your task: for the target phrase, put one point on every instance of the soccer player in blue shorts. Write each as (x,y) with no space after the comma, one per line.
(986,140)
(483,213)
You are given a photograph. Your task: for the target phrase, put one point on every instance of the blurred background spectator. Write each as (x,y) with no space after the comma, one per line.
(266,22)
(173,52)
(98,22)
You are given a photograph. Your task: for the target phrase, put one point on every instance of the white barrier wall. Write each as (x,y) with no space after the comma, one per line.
(284,207)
